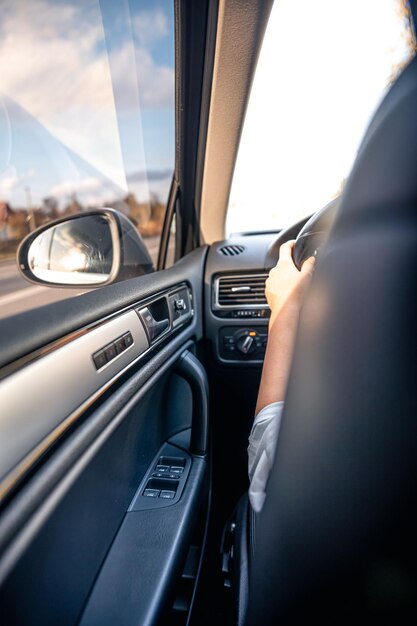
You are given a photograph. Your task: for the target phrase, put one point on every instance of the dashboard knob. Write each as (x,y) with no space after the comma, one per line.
(246,344)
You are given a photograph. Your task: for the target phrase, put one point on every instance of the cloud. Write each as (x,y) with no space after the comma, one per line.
(150,175)
(150,26)
(9,180)
(155,84)
(54,63)
(53,58)
(41,67)
(69,187)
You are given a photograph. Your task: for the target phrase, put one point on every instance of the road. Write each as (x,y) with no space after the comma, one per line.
(18,295)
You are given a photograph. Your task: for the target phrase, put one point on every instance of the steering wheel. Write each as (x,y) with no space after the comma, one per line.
(309,234)
(314,233)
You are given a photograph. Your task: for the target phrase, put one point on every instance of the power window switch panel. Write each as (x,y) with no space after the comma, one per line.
(167,495)
(151,493)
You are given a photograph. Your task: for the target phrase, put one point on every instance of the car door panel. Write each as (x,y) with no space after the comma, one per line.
(151,543)
(65,524)
(55,322)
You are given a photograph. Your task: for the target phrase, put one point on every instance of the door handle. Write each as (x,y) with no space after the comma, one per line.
(190,368)
(153,327)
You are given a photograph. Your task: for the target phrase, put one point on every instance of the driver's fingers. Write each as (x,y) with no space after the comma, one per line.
(285,251)
(308,265)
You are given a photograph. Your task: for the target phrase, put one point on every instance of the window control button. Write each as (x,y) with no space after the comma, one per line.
(99,359)
(162,468)
(151,493)
(168,495)
(159,475)
(176,470)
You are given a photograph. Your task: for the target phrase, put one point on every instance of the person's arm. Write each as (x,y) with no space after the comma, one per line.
(284,292)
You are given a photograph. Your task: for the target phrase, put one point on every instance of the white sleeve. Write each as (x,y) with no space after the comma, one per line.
(261,451)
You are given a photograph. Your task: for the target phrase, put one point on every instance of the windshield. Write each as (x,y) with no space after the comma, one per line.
(308,111)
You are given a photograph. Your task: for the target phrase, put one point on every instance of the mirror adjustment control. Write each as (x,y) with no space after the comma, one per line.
(179,304)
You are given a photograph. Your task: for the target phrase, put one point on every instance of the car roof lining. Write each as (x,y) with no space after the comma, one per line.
(240,30)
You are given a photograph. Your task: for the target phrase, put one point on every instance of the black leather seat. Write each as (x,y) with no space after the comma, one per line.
(336,540)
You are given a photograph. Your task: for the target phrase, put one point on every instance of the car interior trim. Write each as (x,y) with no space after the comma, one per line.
(19,453)
(54,479)
(159,547)
(190,368)
(166,228)
(70,367)
(67,319)
(35,355)
(240,30)
(191,36)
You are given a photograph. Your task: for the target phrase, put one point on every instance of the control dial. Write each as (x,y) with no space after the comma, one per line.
(245,341)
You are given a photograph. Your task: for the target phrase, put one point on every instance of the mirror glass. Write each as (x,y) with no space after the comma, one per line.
(77,252)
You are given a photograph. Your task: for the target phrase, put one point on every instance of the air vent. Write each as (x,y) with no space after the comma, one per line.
(231,250)
(241,291)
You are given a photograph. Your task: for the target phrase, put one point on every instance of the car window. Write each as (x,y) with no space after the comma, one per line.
(86,121)
(308,111)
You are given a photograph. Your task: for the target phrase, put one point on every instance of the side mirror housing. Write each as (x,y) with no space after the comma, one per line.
(89,249)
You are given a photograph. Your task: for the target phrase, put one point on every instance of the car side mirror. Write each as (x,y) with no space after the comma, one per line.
(90,249)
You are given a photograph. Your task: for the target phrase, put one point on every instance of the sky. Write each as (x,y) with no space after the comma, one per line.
(87,98)
(324,66)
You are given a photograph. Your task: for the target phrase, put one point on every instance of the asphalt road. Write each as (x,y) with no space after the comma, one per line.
(18,295)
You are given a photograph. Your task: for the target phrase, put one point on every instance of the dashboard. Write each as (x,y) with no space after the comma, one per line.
(236,311)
